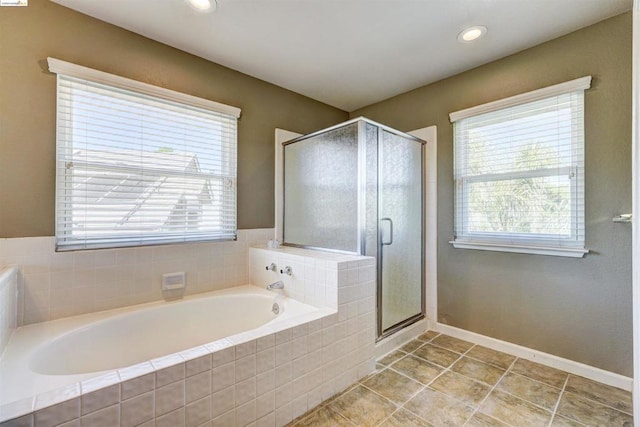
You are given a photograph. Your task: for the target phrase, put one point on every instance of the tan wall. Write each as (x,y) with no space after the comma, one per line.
(575,308)
(28,35)
(579,309)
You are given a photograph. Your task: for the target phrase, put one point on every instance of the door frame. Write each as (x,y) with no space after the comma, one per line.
(635,260)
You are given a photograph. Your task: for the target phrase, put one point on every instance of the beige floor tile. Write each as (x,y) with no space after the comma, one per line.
(323,417)
(460,387)
(559,421)
(393,386)
(392,357)
(417,368)
(340,394)
(404,418)
(492,357)
(371,375)
(411,345)
(481,420)
(538,372)
(451,343)
(610,396)
(591,413)
(514,411)
(436,355)
(532,391)
(478,370)
(363,407)
(428,336)
(438,409)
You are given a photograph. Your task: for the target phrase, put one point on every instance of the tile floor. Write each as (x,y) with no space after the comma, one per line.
(437,380)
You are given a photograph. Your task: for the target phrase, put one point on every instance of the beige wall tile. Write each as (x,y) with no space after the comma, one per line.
(109,416)
(138,386)
(172,419)
(198,412)
(136,410)
(198,386)
(222,401)
(100,399)
(169,397)
(58,414)
(223,376)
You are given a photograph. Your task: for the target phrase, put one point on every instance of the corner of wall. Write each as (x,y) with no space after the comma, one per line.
(8,304)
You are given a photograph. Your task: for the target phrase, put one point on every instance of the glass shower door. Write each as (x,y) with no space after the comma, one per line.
(400,240)
(321,190)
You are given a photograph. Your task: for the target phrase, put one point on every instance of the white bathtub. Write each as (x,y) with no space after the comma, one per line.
(52,355)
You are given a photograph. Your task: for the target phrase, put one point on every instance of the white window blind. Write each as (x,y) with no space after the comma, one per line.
(519,175)
(138,169)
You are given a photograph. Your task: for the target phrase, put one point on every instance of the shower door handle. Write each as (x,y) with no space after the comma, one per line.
(390,232)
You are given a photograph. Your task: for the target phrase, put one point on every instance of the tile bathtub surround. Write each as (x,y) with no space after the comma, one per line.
(268,380)
(8,304)
(416,385)
(52,285)
(314,279)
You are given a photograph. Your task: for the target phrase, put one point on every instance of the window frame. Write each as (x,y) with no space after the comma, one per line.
(64,240)
(573,246)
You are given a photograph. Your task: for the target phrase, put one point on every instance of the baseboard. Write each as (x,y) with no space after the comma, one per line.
(576,368)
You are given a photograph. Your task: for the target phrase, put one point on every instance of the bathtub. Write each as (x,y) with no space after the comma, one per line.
(187,363)
(53,355)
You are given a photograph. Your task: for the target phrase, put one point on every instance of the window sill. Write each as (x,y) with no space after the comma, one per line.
(522,249)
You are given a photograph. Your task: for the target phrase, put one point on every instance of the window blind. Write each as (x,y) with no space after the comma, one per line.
(519,174)
(136,169)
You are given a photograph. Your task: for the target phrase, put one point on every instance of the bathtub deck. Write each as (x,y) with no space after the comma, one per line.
(441,380)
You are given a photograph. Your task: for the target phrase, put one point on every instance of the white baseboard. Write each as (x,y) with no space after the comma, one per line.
(576,368)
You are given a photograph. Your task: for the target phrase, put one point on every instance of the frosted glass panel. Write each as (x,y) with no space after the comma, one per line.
(400,207)
(325,207)
(371,195)
(321,190)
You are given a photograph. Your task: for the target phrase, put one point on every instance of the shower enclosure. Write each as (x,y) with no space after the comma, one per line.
(358,187)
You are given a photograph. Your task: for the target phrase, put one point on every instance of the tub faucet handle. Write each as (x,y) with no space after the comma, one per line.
(272,267)
(287,270)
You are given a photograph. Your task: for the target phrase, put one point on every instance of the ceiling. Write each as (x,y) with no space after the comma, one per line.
(351,53)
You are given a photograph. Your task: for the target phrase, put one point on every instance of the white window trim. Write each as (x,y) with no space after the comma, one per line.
(582,83)
(522,249)
(73,70)
(77,71)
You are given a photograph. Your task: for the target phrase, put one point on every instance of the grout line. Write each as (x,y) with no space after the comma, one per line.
(491,391)
(416,415)
(338,413)
(389,417)
(397,405)
(555,408)
(596,401)
(444,370)
(404,353)
(489,363)
(524,398)
(539,382)
(448,368)
(406,376)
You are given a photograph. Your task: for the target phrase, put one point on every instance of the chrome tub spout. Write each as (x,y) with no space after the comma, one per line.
(276,285)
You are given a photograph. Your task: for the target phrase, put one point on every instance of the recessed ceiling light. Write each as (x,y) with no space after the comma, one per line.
(203,5)
(472,33)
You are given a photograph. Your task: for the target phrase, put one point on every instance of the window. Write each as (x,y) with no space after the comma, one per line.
(140,165)
(519,173)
